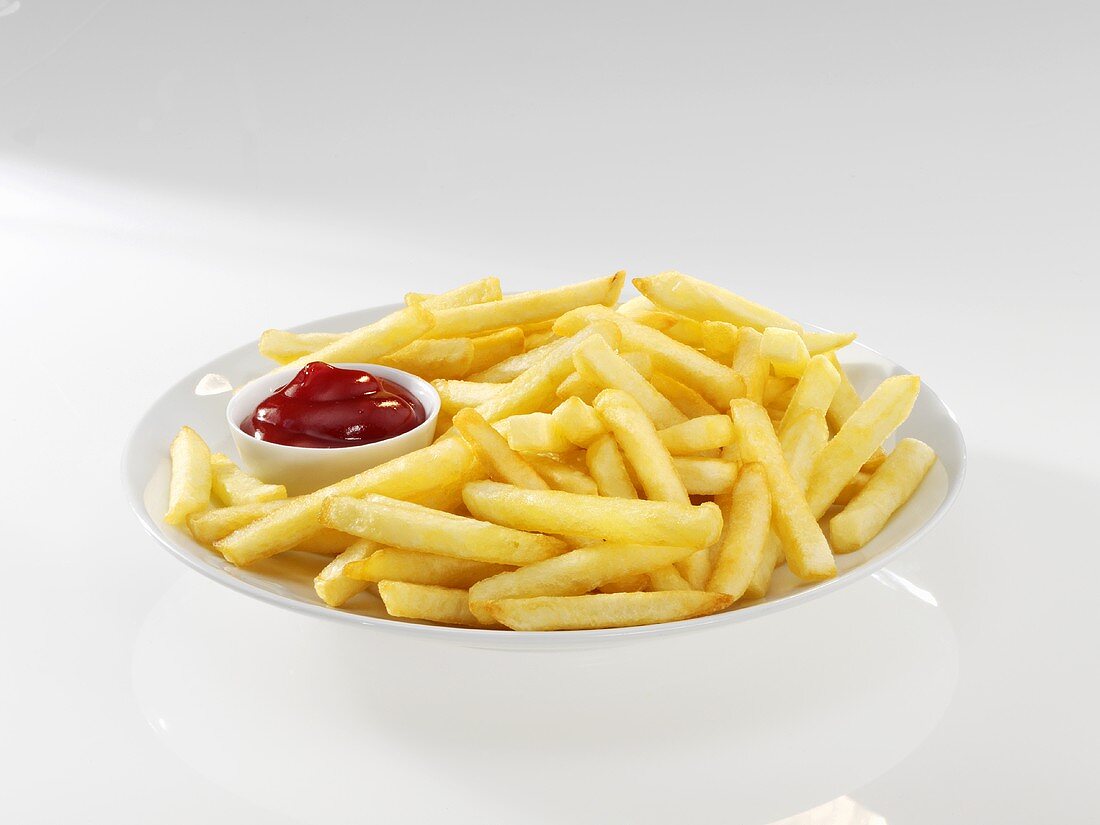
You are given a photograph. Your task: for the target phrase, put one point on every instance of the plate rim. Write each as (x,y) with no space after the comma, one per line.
(496,638)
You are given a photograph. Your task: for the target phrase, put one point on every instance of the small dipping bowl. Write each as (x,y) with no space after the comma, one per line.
(305,469)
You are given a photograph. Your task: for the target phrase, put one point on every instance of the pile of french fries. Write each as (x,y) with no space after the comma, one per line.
(596,464)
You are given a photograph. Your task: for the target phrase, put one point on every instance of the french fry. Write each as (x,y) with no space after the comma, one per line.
(416,473)
(325,542)
(720,341)
(191,479)
(814,391)
(677,327)
(368,344)
(422,601)
(708,432)
(683,397)
(574,573)
(284,347)
(576,385)
(785,350)
(333,585)
(534,340)
(821,343)
(775,388)
(859,437)
(801,444)
(535,387)
(707,302)
(750,364)
(889,488)
(525,308)
(636,436)
(578,422)
(210,525)
(669,578)
(748,521)
(608,469)
(516,365)
(537,433)
(418,528)
(489,350)
(563,477)
(808,553)
(597,363)
(712,380)
(705,476)
(852,488)
(639,303)
(476,292)
(456,395)
(846,400)
(416,567)
(610,519)
(605,609)
(626,584)
(501,461)
(231,485)
(440,358)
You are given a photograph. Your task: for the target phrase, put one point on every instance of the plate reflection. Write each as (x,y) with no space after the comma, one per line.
(765,719)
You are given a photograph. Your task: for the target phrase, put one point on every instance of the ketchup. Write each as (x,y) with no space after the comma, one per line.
(326,406)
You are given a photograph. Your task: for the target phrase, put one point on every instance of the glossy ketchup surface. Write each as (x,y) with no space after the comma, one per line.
(327,406)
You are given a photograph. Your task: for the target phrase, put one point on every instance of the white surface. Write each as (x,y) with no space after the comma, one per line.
(287,580)
(174,179)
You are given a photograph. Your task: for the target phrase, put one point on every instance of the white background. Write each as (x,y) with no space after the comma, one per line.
(175,178)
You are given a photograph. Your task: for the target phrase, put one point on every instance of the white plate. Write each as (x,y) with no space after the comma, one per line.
(287,580)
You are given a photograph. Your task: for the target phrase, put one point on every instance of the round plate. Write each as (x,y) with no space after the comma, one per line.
(287,580)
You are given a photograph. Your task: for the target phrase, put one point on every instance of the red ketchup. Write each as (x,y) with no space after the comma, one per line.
(326,406)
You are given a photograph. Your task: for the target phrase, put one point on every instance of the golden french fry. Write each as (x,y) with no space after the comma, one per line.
(284,347)
(669,578)
(626,584)
(597,363)
(605,609)
(576,385)
(534,388)
(333,585)
(889,488)
(775,388)
(637,438)
(705,476)
(368,344)
(534,340)
(416,567)
(413,527)
(233,486)
(720,341)
(440,358)
(852,488)
(859,437)
(325,542)
(573,573)
(525,308)
(785,350)
(749,520)
(820,343)
(424,601)
(210,525)
(561,476)
(677,327)
(708,432)
(475,292)
(491,349)
(808,553)
(715,382)
(578,422)
(192,477)
(846,400)
(683,397)
(456,395)
(814,391)
(537,433)
(608,469)
(750,364)
(443,463)
(501,461)
(707,302)
(610,519)
(802,442)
